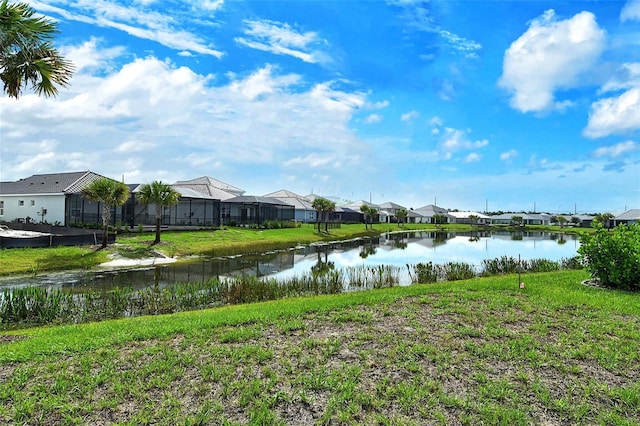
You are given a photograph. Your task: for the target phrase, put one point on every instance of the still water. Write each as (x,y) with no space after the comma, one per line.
(396,249)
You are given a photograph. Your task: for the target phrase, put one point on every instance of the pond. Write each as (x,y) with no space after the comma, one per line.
(395,249)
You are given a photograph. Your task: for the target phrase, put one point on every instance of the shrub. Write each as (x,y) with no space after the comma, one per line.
(613,256)
(424,273)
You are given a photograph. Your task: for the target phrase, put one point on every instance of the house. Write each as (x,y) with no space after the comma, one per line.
(468,218)
(582,220)
(388,211)
(357,205)
(432,214)
(304,211)
(54,198)
(627,218)
(527,218)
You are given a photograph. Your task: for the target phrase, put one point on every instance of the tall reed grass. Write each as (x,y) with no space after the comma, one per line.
(30,306)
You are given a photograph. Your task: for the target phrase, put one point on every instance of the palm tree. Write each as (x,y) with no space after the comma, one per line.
(365,211)
(162,195)
(110,193)
(321,205)
(369,213)
(27,54)
(562,220)
(401,215)
(329,207)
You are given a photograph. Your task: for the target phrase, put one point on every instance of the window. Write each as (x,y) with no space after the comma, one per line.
(1,208)
(20,203)
(33,203)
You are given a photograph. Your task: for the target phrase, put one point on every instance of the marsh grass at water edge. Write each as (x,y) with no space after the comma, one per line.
(30,306)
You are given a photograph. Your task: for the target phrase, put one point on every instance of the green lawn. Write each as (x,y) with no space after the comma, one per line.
(481,351)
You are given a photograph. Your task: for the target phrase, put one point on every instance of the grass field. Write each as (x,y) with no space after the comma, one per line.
(481,351)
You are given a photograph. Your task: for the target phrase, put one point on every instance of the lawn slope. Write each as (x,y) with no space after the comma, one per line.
(478,351)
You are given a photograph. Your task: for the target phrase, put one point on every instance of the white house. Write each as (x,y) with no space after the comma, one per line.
(388,211)
(54,198)
(466,218)
(527,218)
(431,213)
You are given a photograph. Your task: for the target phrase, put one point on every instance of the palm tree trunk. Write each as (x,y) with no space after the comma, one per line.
(158,223)
(106,218)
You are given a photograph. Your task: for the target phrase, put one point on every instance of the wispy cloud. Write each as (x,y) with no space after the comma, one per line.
(373,118)
(509,155)
(282,39)
(410,116)
(135,20)
(468,48)
(630,11)
(617,150)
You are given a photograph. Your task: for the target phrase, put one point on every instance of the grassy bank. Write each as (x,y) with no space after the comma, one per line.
(471,352)
(223,242)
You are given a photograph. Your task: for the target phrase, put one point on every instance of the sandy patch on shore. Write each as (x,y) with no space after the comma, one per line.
(122,262)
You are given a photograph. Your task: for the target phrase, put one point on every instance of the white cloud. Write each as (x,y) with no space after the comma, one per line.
(630,11)
(313,160)
(616,150)
(472,158)
(87,57)
(373,118)
(552,54)
(615,115)
(626,77)
(282,39)
(409,116)
(138,20)
(618,114)
(436,121)
(378,105)
(455,140)
(468,47)
(134,146)
(187,127)
(509,155)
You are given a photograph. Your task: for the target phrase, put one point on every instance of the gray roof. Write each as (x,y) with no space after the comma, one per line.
(206,190)
(190,193)
(288,197)
(390,205)
(466,214)
(253,199)
(205,184)
(357,204)
(524,216)
(633,214)
(53,183)
(430,210)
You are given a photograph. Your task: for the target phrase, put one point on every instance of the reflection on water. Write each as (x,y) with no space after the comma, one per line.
(396,249)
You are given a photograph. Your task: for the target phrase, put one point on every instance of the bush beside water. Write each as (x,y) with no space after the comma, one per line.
(30,306)
(612,256)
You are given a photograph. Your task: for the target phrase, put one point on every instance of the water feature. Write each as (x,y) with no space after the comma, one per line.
(396,249)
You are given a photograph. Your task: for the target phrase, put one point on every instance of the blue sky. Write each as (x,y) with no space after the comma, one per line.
(508,105)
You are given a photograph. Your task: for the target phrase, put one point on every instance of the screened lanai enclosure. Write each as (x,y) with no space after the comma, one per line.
(196,211)
(192,210)
(245,210)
